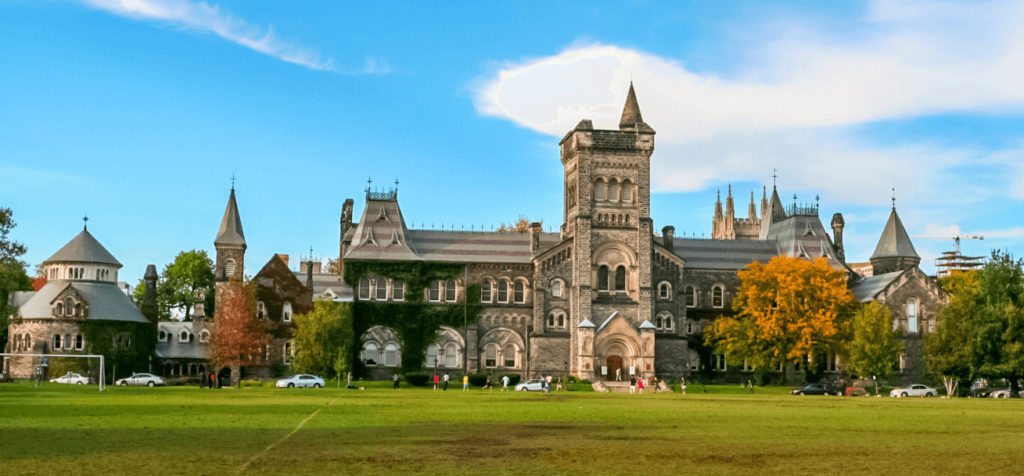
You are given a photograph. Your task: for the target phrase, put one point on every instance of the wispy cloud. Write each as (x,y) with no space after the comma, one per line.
(204,17)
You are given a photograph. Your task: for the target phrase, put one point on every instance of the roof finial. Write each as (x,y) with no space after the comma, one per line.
(775,175)
(369,182)
(85,222)
(894,198)
(232,181)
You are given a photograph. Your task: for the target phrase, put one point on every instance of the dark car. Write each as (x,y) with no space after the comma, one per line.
(813,389)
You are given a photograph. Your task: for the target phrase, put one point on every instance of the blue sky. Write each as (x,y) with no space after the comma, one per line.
(139,112)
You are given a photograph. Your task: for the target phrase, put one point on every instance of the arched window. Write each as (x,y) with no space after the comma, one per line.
(551,320)
(557,287)
(286,312)
(451,356)
(183,337)
(627,191)
(364,289)
(561,321)
(204,336)
(716,297)
(912,315)
(431,360)
(503,291)
(59,309)
(261,310)
(664,290)
(229,267)
(691,296)
(370,354)
(509,356)
(79,311)
(491,356)
(620,278)
(162,335)
(56,341)
(613,190)
(79,342)
(602,278)
(600,190)
(67,341)
(663,321)
(381,288)
(519,292)
(435,291)
(485,291)
(28,342)
(398,291)
(286,356)
(449,291)
(391,358)
(69,306)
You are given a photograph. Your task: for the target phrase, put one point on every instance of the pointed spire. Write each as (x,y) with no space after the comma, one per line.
(230,232)
(631,118)
(730,208)
(764,200)
(752,210)
(718,205)
(894,242)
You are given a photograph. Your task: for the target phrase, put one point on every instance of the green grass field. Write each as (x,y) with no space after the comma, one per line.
(186,430)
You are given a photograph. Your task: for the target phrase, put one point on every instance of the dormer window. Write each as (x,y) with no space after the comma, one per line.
(286,312)
(204,336)
(184,337)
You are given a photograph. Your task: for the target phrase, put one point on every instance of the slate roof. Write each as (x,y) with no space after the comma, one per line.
(381,233)
(868,288)
(723,254)
(83,248)
(894,241)
(106,301)
(324,281)
(173,349)
(803,236)
(230,232)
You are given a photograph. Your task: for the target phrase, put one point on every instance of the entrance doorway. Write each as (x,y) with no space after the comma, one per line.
(614,364)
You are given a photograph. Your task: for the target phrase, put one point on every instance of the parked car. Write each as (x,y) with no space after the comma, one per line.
(914,390)
(300,380)
(71,377)
(141,379)
(1003,393)
(532,385)
(813,389)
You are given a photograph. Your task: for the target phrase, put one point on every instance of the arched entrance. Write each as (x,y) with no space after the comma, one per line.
(614,364)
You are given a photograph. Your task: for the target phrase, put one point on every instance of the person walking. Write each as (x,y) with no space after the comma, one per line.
(465,383)
(750,385)
(487,383)
(558,388)
(395,378)
(213,380)
(435,381)
(618,375)
(504,383)
(632,384)
(640,386)
(654,384)
(444,388)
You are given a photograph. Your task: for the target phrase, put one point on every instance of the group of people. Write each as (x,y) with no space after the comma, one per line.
(441,382)
(637,385)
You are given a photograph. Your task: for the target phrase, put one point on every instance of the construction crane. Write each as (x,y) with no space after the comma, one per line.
(953,260)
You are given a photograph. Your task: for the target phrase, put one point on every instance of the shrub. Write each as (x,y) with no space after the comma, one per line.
(478,380)
(419,379)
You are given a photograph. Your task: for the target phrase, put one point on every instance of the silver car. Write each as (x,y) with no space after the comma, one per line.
(72,377)
(149,380)
(300,380)
(914,390)
(532,385)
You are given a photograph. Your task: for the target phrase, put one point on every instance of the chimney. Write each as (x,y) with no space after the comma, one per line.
(668,233)
(283,258)
(535,230)
(837,235)
(149,294)
(309,274)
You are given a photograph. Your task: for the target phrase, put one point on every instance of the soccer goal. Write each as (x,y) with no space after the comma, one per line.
(103,373)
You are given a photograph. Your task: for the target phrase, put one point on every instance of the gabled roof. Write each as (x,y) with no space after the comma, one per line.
(83,248)
(867,289)
(173,349)
(230,232)
(381,233)
(894,241)
(106,301)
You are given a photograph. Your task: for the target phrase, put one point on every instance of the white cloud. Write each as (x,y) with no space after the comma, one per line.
(795,100)
(201,16)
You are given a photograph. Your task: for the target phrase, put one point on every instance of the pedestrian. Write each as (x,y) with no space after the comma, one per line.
(640,386)
(465,383)
(750,385)
(487,383)
(213,380)
(395,378)
(618,375)
(445,387)
(682,385)
(435,381)
(504,383)
(654,383)
(632,384)
(558,388)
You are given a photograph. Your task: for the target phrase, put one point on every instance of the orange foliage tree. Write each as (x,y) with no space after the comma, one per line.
(788,310)
(238,337)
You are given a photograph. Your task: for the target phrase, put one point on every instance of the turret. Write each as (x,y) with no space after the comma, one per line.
(230,243)
(149,308)
(837,235)
(752,210)
(535,231)
(894,251)
(667,236)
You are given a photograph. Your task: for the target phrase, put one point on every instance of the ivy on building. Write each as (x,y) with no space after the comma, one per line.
(414,320)
(127,346)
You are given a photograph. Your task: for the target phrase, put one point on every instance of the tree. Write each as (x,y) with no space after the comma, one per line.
(947,351)
(323,340)
(238,337)
(522,225)
(875,347)
(190,272)
(13,276)
(788,309)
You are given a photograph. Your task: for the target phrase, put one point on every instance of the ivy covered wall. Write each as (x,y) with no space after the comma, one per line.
(101,337)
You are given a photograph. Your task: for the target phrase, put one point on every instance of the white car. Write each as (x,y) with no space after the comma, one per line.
(141,379)
(913,390)
(71,377)
(300,380)
(532,385)
(1003,393)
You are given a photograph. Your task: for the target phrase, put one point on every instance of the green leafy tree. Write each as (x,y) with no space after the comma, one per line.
(323,340)
(948,350)
(191,271)
(875,347)
(12,270)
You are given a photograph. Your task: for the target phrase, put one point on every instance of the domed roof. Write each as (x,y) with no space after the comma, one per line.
(83,248)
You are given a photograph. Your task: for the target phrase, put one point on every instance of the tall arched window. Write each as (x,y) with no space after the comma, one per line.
(435,291)
(613,190)
(602,278)
(381,289)
(716,297)
(364,288)
(561,321)
(370,354)
(503,291)
(28,342)
(485,291)
(519,292)
(431,360)
(229,267)
(67,341)
(627,191)
(557,287)
(664,290)
(912,315)
(391,354)
(288,352)
(286,311)
(261,310)
(620,278)
(398,291)
(509,356)
(451,356)
(59,309)
(56,341)
(691,296)
(79,342)
(600,190)
(449,290)
(491,356)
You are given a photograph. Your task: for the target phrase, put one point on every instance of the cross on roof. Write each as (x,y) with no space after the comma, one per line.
(775,175)
(232,180)
(894,198)
(85,222)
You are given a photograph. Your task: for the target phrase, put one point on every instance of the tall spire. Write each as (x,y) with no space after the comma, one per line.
(764,200)
(230,232)
(752,210)
(718,205)
(631,117)
(730,208)
(894,251)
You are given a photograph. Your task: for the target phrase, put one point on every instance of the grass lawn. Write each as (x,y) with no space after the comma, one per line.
(77,430)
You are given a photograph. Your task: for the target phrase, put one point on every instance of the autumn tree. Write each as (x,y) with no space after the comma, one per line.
(875,346)
(787,310)
(238,338)
(323,340)
(521,225)
(13,276)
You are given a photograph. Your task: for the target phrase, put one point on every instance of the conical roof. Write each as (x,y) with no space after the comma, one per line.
(631,111)
(894,241)
(83,248)
(230,232)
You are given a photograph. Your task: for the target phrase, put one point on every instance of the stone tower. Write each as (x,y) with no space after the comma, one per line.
(607,216)
(230,245)
(894,251)
(149,296)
